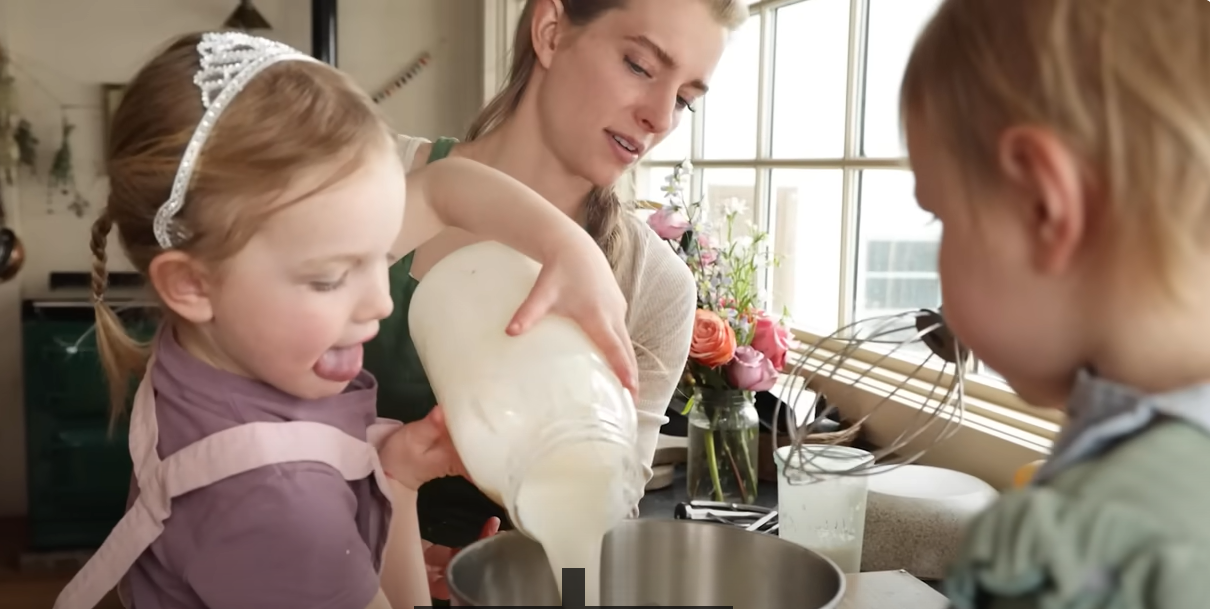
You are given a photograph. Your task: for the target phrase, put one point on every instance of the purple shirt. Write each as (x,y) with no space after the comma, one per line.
(289,536)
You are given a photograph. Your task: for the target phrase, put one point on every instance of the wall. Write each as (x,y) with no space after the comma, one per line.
(63,64)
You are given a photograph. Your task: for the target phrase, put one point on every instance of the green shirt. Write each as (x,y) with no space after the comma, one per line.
(1119,519)
(452,510)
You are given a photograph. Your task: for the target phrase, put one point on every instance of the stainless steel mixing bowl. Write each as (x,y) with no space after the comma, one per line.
(651,562)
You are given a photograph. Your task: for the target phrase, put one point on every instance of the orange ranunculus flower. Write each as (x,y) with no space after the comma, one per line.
(713,339)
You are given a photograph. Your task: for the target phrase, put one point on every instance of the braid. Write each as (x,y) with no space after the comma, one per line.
(100,237)
(120,355)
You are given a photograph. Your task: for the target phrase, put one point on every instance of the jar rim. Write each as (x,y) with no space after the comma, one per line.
(842,458)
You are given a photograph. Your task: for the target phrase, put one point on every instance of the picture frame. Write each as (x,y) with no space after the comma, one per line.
(111,97)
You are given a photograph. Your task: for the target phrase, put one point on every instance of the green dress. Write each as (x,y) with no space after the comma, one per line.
(452,511)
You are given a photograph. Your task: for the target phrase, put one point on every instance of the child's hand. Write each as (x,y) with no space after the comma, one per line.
(577,282)
(437,560)
(421,451)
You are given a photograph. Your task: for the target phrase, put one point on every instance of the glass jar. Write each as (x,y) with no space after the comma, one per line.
(819,505)
(723,446)
(536,418)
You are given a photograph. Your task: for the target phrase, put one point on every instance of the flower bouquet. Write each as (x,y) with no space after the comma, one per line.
(737,350)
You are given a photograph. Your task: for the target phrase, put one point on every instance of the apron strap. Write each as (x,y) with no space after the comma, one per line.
(212,459)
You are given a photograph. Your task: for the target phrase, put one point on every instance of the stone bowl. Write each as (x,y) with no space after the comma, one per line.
(916,516)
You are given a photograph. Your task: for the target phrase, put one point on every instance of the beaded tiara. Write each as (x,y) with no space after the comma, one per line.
(229,60)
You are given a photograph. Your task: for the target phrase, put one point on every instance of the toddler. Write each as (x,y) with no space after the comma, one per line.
(1065,147)
(260,194)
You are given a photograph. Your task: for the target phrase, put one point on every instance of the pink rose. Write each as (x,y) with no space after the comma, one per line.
(706,251)
(669,223)
(772,339)
(751,370)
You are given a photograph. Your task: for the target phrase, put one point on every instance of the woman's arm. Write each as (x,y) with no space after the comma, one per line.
(576,280)
(466,194)
(405,580)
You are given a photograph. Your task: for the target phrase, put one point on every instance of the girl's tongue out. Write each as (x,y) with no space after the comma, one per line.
(339,364)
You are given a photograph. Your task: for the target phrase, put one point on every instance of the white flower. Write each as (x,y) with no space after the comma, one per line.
(734,206)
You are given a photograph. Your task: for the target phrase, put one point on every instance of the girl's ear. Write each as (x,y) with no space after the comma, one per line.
(183,285)
(545,30)
(1040,166)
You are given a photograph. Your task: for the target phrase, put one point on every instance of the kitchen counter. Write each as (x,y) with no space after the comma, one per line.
(662,503)
(887,589)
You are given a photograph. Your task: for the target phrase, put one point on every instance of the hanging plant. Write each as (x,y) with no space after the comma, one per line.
(63,176)
(10,150)
(62,169)
(27,146)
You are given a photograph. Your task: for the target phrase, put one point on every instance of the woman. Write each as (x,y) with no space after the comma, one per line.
(594,84)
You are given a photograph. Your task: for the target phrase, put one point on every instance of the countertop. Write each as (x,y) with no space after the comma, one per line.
(662,503)
(890,589)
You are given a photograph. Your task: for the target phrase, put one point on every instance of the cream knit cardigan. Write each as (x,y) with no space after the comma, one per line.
(662,298)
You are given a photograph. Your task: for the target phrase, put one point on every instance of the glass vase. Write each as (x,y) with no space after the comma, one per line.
(723,446)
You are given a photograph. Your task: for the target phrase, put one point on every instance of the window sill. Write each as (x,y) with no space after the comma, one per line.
(991,441)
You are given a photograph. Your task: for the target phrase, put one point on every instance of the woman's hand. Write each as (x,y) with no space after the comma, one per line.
(437,560)
(577,282)
(421,451)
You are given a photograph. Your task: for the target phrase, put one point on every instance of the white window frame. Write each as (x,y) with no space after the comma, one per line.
(499,22)
(1000,431)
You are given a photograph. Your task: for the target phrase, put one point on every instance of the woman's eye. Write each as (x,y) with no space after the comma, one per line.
(636,68)
(681,102)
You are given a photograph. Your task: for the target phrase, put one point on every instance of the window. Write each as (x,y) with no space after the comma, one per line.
(802,126)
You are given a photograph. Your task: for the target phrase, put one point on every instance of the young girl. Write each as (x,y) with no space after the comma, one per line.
(265,215)
(1065,145)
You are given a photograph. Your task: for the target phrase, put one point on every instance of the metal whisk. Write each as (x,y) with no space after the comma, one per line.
(937,419)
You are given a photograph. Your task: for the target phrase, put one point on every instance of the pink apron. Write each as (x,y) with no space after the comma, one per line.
(227,453)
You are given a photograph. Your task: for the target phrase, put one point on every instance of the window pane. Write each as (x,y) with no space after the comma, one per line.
(810,76)
(897,253)
(894,26)
(648,185)
(730,107)
(806,210)
(726,188)
(677,146)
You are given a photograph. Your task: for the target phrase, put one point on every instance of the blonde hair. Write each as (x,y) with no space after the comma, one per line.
(604,207)
(1119,81)
(294,116)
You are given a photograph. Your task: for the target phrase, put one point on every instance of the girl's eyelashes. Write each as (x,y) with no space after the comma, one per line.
(633,66)
(328,286)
